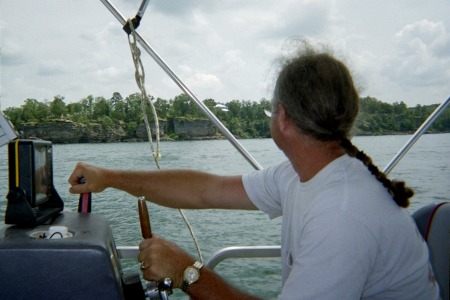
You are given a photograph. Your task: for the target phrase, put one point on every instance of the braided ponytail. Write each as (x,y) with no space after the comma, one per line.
(399,191)
(319,95)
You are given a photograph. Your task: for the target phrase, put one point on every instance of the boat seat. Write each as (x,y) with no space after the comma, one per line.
(433,222)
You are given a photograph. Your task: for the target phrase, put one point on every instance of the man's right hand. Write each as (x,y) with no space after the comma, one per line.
(92,179)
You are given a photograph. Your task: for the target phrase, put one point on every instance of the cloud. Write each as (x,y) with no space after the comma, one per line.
(304,18)
(51,68)
(425,31)
(107,74)
(197,78)
(233,58)
(420,58)
(222,50)
(12,53)
(11,58)
(175,8)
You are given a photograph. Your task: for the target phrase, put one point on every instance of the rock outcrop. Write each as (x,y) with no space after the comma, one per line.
(57,131)
(193,129)
(65,131)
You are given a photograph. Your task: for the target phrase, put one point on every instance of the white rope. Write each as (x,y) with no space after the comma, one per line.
(139,75)
(140,80)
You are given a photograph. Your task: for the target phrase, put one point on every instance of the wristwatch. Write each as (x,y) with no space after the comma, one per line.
(191,274)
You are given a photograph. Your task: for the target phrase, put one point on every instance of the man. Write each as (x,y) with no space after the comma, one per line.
(345,232)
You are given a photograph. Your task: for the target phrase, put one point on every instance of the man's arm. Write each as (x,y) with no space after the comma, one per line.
(164,259)
(171,188)
(212,287)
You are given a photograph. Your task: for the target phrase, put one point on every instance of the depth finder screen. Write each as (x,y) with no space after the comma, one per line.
(41,180)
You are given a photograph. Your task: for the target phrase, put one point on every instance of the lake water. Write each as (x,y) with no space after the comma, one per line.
(426,168)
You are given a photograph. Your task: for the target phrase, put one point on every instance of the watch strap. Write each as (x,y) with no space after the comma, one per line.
(198,265)
(185,286)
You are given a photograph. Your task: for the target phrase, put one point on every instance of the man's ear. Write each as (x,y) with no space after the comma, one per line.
(283,119)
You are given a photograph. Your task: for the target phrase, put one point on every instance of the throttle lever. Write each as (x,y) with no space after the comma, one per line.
(154,291)
(146,228)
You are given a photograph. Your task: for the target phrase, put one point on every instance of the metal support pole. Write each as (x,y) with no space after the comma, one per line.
(185,89)
(419,132)
(142,8)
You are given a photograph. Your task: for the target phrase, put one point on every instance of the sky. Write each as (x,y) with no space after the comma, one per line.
(222,50)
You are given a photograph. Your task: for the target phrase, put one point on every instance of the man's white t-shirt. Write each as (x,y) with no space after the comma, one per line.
(343,236)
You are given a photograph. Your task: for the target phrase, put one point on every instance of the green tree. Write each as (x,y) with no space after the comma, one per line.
(106,122)
(236,127)
(131,128)
(58,108)
(74,108)
(133,111)
(116,98)
(15,115)
(244,118)
(399,108)
(211,104)
(162,108)
(87,107)
(443,123)
(183,106)
(34,111)
(75,113)
(102,108)
(180,106)
(119,111)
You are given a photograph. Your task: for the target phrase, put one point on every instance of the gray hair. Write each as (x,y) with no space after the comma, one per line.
(318,93)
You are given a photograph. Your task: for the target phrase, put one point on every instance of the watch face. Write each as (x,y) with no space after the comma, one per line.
(191,274)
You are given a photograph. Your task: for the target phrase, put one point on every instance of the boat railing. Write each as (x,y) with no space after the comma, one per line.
(131,252)
(127,252)
(419,132)
(243,252)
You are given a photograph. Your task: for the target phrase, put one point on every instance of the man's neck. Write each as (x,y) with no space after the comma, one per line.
(310,156)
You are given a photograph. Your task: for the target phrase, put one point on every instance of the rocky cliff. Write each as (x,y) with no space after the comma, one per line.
(194,129)
(65,131)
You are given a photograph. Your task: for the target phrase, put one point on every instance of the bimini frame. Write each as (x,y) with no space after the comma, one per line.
(183,86)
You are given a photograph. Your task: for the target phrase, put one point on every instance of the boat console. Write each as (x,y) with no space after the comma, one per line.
(74,257)
(47,253)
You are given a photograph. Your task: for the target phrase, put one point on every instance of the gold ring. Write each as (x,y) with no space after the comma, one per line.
(142,266)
